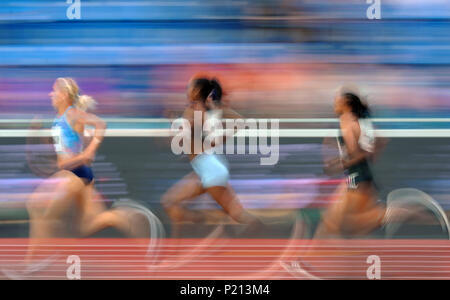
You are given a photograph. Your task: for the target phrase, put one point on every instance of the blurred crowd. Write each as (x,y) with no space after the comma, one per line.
(280,58)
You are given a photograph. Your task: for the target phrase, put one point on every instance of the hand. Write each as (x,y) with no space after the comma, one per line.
(87,157)
(333,166)
(36,123)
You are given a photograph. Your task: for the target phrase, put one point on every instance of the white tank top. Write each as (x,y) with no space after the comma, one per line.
(367,136)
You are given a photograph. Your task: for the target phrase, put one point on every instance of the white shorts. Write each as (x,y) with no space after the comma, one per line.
(211,169)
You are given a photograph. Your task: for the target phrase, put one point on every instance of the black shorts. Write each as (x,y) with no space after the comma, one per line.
(85,173)
(358,173)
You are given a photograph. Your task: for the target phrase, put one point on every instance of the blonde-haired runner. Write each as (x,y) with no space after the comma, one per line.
(73,183)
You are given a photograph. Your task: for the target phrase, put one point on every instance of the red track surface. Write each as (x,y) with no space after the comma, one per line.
(233,258)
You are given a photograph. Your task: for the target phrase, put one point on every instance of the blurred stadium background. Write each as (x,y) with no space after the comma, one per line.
(276,59)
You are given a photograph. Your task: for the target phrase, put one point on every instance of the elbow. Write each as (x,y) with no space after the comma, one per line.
(368,156)
(60,165)
(102,125)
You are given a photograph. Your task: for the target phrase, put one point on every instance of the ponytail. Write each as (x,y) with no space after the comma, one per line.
(85,103)
(217,91)
(208,88)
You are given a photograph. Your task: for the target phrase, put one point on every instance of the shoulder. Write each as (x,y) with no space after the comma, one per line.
(229,113)
(72,112)
(75,115)
(188,113)
(71,115)
(348,120)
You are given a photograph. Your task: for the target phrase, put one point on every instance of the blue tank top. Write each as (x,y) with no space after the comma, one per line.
(66,139)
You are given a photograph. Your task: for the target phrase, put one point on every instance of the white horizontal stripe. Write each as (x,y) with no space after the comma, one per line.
(342,263)
(208,277)
(283,120)
(277,256)
(219,270)
(213,251)
(335,246)
(121,3)
(284,133)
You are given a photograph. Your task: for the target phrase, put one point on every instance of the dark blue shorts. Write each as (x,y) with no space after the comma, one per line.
(85,173)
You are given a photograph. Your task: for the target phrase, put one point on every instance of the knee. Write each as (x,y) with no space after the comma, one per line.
(237,214)
(167,202)
(240,215)
(37,203)
(332,225)
(32,205)
(173,209)
(109,218)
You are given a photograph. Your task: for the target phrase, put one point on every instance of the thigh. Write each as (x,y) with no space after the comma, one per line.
(225,197)
(42,196)
(348,202)
(89,203)
(361,199)
(65,194)
(339,203)
(187,188)
(363,214)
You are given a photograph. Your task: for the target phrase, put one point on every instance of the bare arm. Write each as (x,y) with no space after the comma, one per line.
(332,162)
(228,114)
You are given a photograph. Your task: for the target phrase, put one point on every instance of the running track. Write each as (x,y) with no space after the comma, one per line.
(233,258)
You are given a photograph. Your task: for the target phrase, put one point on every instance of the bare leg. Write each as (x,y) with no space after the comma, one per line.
(363,214)
(46,206)
(115,218)
(186,189)
(332,219)
(90,205)
(354,211)
(94,216)
(227,199)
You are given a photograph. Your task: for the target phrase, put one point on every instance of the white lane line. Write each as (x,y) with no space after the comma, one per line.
(283,133)
(230,246)
(212,251)
(205,277)
(282,120)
